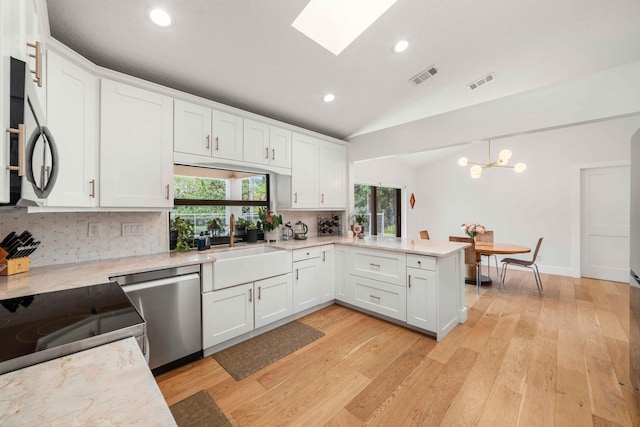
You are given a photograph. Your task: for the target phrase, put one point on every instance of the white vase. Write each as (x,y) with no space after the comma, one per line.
(271,236)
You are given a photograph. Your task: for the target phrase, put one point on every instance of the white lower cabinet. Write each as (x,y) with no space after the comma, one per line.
(274,299)
(327,273)
(342,288)
(422,307)
(234,311)
(380,297)
(307,291)
(226,314)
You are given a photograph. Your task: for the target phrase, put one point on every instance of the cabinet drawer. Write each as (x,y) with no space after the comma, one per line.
(380,297)
(307,253)
(379,265)
(421,261)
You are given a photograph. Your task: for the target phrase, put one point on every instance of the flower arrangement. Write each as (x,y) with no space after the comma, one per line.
(473,230)
(269,221)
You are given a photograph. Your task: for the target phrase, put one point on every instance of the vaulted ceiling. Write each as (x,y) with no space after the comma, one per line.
(246,54)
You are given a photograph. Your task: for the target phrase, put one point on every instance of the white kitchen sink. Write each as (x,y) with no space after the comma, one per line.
(245,265)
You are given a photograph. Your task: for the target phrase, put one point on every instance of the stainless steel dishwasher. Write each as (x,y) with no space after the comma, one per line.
(169,301)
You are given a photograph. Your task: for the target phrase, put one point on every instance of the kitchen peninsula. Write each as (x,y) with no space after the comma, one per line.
(400,261)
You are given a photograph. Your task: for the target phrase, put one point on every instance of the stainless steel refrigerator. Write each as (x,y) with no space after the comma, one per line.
(634,288)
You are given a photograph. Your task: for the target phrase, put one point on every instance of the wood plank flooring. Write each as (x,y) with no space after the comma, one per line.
(519,360)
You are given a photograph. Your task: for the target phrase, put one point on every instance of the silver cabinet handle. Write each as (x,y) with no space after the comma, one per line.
(259,292)
(92,194)
(273,154)
(374,297)
(324,256)
(167,191)
(217,143)
(266,153)
(374,265)
(409,280)
(322,198)
(208,141)
(296,274)
(250,296)
(295,197)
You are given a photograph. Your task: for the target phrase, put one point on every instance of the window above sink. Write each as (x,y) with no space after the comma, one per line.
(207,197)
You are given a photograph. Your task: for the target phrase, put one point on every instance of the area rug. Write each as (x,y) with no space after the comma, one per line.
(198,410)
(250,356)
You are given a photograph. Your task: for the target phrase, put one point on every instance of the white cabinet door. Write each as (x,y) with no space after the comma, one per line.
(256,142)
(279,147)
(342,264)
(327,273)
(333,175)
(306,289)
(226,314)
(73,104)
(304,172)
(136,147)
(273,299)
(192,128)
(422,299)
(227,136)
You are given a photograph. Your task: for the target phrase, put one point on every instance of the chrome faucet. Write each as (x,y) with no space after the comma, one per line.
(232,229)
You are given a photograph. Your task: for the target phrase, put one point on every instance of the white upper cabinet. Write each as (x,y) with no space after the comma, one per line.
(256,142)
(318,176)
(280,147)
(205,132)
(136,147)
(192,133)
(304,172)
(266,145)
(333,175)
(72,104)
(226,136)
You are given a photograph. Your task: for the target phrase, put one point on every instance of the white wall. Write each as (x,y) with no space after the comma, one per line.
(389,173)
(522,207)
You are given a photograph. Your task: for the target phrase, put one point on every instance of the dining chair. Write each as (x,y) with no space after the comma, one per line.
(524,263)
(471,257)
(487,236)
(424,234)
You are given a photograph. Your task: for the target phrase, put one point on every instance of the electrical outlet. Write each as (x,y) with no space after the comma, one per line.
(132,229)
(94,230)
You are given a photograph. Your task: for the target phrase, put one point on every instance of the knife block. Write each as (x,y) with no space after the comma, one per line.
(14,266)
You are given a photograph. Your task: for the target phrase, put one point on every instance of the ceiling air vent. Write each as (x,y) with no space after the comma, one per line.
(423,75)
(485,79)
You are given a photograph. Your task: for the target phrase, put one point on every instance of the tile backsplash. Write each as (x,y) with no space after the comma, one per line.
(65,236)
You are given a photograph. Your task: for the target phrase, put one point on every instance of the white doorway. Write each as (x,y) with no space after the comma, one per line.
(605,218)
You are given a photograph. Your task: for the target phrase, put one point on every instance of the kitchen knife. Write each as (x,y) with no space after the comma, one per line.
(11,242)
(32,248)
(23,249)
(12,249)
(6,239)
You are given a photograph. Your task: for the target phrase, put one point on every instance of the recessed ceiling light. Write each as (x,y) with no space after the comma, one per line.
(329,97)
(160,17)
(334,24)
(401,46)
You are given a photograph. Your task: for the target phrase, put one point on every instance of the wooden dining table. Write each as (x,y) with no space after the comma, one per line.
(493,248)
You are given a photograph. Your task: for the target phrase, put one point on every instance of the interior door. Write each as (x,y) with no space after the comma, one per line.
(605,208)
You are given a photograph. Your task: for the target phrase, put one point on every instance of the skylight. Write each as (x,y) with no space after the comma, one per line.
(335,24)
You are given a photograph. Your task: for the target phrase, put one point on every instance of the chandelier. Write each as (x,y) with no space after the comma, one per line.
(503,158)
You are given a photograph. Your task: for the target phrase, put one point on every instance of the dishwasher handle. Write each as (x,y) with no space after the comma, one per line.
(161,282)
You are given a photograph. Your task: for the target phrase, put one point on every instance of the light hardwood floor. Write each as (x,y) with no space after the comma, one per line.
(519,360)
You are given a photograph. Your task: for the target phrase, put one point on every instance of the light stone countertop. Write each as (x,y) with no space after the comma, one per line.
(67,276)
(103,386)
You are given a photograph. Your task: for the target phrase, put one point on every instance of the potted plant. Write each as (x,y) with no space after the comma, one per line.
(184,233)
(252,231)
(358,221)
(269,223)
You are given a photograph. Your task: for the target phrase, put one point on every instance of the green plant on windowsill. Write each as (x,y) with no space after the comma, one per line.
(184,228)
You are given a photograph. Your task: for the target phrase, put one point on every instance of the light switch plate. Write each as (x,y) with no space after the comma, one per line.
(94,229)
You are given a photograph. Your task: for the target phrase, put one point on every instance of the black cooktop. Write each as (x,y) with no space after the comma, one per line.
(51,320)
